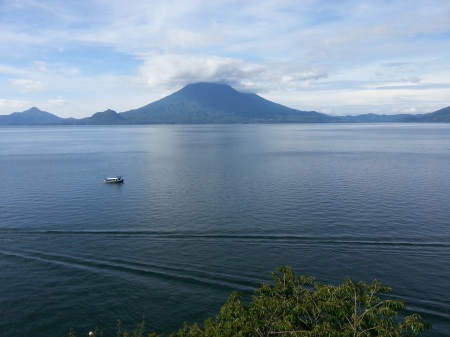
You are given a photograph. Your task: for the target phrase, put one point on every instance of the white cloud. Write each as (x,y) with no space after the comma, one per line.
(57,102)
(360,101)
(8,106)
(27,85)
(400,83)
(41,66)
(12,70)
(165,71)
(405,109)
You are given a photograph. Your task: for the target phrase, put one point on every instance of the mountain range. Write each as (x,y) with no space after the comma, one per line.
(213,103)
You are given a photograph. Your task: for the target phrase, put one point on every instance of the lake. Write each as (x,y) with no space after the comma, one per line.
(209,209)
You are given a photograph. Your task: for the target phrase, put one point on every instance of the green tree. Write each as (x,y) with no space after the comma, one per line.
(300,306)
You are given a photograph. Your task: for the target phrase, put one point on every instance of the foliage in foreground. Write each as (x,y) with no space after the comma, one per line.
(300,306)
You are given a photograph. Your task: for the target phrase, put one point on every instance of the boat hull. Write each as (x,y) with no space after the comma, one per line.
(115,180)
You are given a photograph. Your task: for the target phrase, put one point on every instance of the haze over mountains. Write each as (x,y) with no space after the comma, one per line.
(212,103)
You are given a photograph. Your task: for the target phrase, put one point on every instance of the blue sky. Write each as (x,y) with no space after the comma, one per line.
(74,58)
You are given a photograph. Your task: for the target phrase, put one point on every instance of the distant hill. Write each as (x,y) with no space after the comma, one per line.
(374,118)
(108,117)
(439,116)
(213,103)
(218,103)
(32,116)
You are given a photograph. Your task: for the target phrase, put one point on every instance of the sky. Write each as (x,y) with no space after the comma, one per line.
(348,57)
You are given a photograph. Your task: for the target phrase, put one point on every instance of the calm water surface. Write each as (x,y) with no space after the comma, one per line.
(206,210)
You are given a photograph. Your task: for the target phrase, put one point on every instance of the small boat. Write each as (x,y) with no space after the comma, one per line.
(114,180)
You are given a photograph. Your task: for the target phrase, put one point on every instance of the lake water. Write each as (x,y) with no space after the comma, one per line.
(208,209)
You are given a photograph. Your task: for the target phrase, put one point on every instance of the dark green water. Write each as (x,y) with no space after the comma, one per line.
(206,210)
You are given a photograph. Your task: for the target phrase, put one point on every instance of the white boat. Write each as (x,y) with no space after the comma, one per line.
(114,180)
